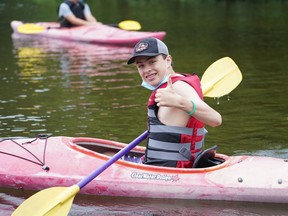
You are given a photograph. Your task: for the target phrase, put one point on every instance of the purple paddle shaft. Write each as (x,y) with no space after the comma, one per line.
(116,157)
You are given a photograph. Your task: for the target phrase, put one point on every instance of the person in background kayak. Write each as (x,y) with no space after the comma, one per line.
(176,110)
(73,13)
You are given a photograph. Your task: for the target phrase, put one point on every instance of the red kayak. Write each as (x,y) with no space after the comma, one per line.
(99,34)
(38,163)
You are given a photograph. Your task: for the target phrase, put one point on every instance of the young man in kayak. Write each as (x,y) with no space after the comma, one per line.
(75,13)
(176,110)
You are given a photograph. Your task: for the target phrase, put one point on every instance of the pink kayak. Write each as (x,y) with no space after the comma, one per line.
(38,163)
(100,34)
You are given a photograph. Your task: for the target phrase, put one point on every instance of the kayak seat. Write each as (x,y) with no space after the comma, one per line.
(207,158)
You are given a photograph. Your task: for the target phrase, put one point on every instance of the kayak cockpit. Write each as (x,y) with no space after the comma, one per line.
(106,147)
(207,158)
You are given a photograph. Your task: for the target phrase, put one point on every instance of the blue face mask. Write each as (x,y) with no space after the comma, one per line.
(152,88)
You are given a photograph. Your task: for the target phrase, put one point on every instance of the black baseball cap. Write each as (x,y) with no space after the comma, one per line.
(148,47)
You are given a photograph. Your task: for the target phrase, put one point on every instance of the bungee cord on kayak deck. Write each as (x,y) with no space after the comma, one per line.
(41,163)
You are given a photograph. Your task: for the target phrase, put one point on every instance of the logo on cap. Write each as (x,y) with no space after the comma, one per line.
(141,47)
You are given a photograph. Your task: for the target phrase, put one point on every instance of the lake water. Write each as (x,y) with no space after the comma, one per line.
(76,89)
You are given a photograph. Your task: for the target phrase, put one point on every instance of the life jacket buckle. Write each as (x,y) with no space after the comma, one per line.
(185,152)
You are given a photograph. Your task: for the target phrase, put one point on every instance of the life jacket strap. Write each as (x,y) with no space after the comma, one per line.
(172,151)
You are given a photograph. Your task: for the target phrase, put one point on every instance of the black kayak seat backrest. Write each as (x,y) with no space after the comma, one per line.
(207,158)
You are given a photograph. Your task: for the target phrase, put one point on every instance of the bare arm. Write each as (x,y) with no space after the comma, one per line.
(90,18)
(88,15)
(175,104)
(65,11)
(79,22)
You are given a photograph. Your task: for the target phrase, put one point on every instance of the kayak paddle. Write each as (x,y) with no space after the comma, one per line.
(130,25)
(33,28)
(220,78)
(57,201)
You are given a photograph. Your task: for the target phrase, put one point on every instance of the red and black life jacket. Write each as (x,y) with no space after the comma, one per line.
(174,146)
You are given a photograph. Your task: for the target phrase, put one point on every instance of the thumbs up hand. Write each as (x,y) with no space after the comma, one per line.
(166,96)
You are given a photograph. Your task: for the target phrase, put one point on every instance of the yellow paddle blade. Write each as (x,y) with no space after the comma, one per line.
(30,28)
(129,25)
(55,201)
(221,78)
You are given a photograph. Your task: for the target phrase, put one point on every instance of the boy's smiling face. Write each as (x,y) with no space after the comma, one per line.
(152,69)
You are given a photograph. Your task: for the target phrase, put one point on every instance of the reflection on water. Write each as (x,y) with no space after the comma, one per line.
(101,205)
(35,54)
(65,80)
